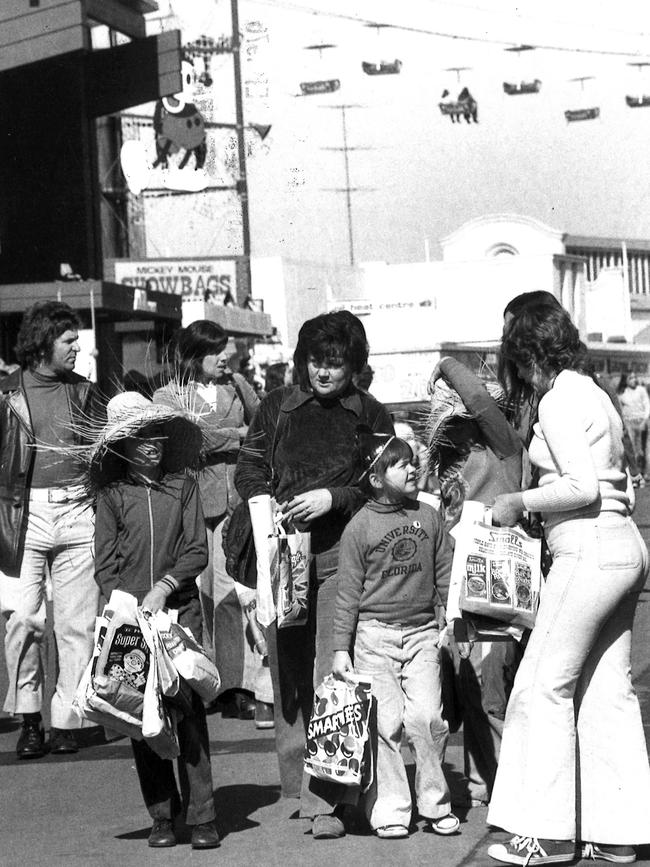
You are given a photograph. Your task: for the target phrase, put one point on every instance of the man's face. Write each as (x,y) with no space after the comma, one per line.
(64,352)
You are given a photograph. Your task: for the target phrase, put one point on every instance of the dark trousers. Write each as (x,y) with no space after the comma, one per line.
(156,775)
(484,685)
(299,658)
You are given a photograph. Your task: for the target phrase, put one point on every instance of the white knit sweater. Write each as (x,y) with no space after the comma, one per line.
(578,447)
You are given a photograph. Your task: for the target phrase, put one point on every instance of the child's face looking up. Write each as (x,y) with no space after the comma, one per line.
(400,480)
(144,450)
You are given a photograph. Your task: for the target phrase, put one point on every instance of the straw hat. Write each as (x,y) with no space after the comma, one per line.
(127,414)
(447,403)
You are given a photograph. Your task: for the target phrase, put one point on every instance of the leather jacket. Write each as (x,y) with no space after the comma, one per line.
(17,456)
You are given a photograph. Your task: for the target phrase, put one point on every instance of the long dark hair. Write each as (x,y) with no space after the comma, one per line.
(337,336)
(192,344)
(546,336)
(41,326)
(623,381)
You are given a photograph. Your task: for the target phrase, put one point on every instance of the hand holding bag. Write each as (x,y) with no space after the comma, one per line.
(338,732)
(498,572)
(290,556)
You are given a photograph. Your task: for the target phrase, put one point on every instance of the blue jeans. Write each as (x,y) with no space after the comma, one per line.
(404,663)
(573,760)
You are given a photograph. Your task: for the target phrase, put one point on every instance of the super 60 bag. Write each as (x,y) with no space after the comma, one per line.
(338,731)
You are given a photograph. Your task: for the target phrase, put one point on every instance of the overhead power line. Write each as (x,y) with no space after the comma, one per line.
(445,34)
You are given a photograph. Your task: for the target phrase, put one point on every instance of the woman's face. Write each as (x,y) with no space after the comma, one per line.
(329,377)
(214,366)
(632,381)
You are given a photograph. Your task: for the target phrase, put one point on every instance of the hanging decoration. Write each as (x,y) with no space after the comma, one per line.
(525,84)
(321,85)
(585,112)
(641,98)
(381,67)
(463,106)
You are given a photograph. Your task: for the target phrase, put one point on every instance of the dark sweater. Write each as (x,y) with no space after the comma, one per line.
(394,566)
(315,449)
(49,409)
(144,532)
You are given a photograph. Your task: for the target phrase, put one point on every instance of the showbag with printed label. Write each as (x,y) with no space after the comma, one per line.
(337,737)
(290,556)
(498,570)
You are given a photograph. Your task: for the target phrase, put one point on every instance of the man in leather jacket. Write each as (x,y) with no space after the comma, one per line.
(46,525)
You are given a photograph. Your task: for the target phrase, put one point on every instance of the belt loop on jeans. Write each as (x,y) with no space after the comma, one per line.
(56,495)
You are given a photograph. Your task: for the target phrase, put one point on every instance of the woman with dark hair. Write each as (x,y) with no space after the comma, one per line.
(560,787)
(225,403)
(522,399)
(301,449)
(635,406)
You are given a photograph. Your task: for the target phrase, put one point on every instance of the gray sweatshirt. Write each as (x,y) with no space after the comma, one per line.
(393,564)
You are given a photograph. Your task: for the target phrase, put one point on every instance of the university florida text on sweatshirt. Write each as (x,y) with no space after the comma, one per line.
(394,565)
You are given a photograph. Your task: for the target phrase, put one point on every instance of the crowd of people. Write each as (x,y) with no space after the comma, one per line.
(139,494)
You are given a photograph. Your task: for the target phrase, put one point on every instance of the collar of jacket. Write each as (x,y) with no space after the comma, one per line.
(297,397)
(13,387)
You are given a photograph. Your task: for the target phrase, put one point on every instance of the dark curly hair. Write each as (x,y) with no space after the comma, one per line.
(192,344)
(42,324)
(544,335)
(334,337)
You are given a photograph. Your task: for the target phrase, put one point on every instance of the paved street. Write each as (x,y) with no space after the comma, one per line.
(86,810)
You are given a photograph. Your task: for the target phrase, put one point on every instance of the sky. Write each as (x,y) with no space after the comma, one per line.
(419,176)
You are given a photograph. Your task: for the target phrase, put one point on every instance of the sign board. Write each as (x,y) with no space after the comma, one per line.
(402,377)
(211,280)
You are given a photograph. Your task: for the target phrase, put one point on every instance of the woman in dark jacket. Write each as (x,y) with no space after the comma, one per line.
(301,448)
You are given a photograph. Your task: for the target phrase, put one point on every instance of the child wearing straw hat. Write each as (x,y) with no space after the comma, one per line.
(150,542)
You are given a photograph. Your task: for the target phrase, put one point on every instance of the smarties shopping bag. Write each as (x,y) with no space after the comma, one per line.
(498,570)
(337,735)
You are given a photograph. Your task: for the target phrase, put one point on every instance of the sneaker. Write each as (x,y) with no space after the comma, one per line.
(31,743)
(533,850)
(392,832)
(263,715)
(63,741)
(162,834)
(327,827)
(607,852)
(445,825)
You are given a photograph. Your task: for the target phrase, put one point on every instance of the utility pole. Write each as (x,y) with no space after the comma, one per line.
(244,281)
(348,189)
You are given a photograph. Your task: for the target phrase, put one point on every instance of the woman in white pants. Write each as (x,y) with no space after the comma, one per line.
(573,776)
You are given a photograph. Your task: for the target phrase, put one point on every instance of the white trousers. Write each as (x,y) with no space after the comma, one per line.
(573,761)
(59,536)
